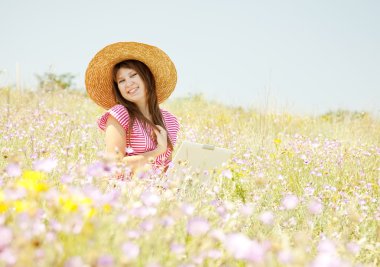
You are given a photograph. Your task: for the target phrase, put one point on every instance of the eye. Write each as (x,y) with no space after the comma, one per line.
(121,81)
(133,75)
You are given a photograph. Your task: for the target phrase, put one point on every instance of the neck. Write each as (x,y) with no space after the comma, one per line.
(143,107)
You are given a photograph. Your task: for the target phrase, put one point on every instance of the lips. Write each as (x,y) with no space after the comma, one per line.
(132,91)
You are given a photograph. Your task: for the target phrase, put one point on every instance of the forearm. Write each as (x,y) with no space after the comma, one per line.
(137,161)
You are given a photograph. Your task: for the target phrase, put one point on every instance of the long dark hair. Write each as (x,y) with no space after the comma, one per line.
(150,89)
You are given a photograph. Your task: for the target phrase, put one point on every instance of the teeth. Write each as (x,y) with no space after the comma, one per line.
(132,91)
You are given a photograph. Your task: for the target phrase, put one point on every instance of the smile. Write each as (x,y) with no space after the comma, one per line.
(132,90)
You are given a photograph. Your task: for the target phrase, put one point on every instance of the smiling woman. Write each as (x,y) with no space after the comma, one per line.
(131,80)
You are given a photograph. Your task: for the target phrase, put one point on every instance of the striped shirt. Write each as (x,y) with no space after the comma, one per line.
(140,141)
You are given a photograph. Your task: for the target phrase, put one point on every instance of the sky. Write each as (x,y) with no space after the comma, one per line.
(307,57)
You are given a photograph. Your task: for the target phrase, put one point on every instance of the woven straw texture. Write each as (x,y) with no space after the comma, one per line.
(98,77)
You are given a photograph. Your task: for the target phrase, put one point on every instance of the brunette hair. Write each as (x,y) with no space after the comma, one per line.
(150,90)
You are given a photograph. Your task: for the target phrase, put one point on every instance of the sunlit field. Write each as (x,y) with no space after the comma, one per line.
(298,191)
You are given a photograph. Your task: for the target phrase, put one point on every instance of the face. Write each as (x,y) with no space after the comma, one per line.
(131,86)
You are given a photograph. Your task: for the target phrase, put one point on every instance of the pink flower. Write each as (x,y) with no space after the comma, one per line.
(6,237)
(241,247)
(285,257)
(8,256)
(315,207)
(45,165)
(256,252)
(188,209)
(131,250)
(66,178)
(74,262)
(227,174)
(177,248)
(197,226)
(267,217)
(13,170)
(105,261)
(290,202)
(353,247)
(237,244)
(247,209)
(326,246)
(147,225)
(214,254)
(129,150)
(150,199)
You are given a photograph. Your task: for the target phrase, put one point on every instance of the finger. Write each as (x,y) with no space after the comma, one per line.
(162,129)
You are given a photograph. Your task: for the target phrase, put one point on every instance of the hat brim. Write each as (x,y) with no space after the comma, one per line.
(99,80)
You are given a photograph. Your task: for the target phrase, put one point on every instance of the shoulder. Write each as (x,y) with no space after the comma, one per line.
(172,125)
(119,112)
(170,119)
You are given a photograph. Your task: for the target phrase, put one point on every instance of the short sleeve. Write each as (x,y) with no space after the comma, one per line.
(119,112)
(172,126)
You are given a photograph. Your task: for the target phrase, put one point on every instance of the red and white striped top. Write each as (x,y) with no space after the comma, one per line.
(140,141)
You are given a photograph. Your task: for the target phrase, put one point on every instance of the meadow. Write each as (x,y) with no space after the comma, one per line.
(299,190)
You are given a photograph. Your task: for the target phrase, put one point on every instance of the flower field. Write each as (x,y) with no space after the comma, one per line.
(299,190)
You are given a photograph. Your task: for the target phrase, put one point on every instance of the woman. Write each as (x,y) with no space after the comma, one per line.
(131,80)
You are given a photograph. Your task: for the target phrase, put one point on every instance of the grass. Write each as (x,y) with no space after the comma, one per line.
(299,190)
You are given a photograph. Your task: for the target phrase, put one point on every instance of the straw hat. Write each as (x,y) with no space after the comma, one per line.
(99,71)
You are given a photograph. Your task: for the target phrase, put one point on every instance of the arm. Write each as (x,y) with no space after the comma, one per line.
(115,145)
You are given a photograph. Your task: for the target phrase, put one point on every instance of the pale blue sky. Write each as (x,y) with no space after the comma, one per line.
(300,56)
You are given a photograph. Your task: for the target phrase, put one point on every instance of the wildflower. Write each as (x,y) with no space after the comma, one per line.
(8,256)
(353,247)
(177,248)
(256,252)
(13,170)
(66,178)
(6,237)
(3,205)
(247,209)
(129,150)
(105,261)
(227,174)
(45,165)
(241,247)
(290,202)
(147,225)
(150,199)
(315,207)
(74,262)
(32,181)
(214,254)
(267,217)
(68,205)
(327,246)
(22,205)
(285,257)
(130,250)
(197,226)
(187,209)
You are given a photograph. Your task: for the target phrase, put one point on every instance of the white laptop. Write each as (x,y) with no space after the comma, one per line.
(200,156)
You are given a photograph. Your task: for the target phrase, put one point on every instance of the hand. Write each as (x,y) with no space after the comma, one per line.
(162,139)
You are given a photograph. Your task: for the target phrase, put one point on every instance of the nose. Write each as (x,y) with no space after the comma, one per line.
(129,82)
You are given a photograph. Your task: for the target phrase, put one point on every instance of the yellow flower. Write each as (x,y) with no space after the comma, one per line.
(33,181)
(22,205)
(68,205)
(277,141)
(91,212)
(107,208)
(71,204)
(3,205)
